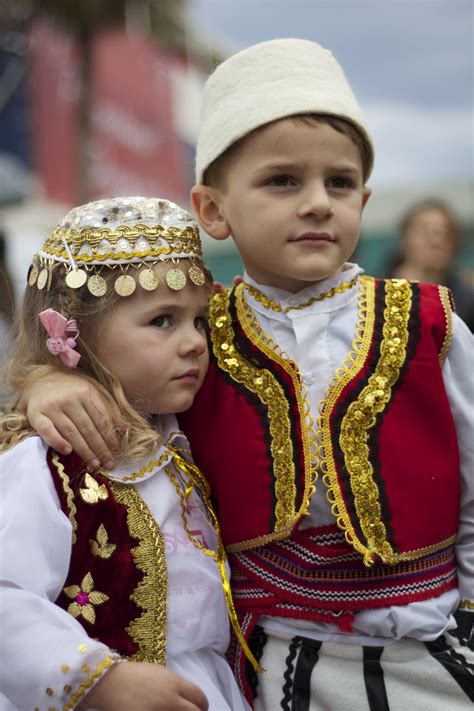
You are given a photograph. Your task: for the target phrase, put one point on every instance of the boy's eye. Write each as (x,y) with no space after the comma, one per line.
(281,181)
(339,182)
(162,321)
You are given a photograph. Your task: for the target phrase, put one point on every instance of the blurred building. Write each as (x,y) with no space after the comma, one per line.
(103,98)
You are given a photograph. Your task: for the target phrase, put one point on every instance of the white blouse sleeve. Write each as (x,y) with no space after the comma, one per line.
(458,375)
(46,658)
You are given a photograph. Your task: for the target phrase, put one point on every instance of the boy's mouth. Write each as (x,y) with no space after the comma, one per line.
(313,237)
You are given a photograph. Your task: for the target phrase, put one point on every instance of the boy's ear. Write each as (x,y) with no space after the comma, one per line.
(366,193)
(206,204)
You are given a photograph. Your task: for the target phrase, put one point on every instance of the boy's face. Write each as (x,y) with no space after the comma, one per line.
(292,199)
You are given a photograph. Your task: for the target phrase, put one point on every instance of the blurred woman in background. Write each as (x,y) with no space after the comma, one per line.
(429,242)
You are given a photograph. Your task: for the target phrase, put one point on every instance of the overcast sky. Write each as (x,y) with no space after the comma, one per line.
(410,63)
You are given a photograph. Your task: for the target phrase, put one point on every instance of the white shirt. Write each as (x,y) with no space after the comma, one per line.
(318,338)
(43,649)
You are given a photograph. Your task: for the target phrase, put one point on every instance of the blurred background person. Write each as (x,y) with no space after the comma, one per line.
(429,242)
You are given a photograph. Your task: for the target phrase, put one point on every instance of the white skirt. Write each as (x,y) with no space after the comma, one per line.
(303,674)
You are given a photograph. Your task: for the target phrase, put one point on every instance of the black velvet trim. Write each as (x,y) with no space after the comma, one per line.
(257,642)
(456,664)
(288,675)
(307,658)
(374,679)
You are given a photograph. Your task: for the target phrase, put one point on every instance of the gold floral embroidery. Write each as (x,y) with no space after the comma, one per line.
(264,384)
(93,492)
(270,304)
(151,594)
(86,685)
(72,510)
(448,314)
(466,605)
(101,547)
(85,597)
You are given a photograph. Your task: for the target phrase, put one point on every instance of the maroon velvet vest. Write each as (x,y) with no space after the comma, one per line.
(117,581)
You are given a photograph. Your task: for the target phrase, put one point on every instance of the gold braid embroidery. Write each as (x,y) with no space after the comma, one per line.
(270,304)
(444,296)
(151,594)
(72,510)
(86,685)
(466,605)
(264,384)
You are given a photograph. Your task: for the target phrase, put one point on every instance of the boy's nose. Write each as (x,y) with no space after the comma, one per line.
(315,201)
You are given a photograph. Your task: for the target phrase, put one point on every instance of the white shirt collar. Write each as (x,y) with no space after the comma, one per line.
(288,300)
(135,472)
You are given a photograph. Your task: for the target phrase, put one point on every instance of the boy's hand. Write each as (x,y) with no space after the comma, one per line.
(144,687)
(70,414)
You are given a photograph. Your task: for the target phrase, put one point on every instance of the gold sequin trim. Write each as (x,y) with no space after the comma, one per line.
(448,314)
(88,683)
(151,594)
(361,417)
(275,306)
(72,510)
(263,383)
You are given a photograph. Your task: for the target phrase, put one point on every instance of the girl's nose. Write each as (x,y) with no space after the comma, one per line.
(195,341)
(315,201)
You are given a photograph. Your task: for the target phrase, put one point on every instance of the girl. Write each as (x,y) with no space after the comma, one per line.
(105,577)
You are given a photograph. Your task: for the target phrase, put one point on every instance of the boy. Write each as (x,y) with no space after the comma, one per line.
(320,371)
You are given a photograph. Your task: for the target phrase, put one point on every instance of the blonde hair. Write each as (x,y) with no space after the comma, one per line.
(30,359)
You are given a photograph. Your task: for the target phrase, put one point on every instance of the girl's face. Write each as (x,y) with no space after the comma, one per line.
(154,343)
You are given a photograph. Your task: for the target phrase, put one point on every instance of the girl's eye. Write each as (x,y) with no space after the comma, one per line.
(200,323)
(162,321)
(339,182)
(281,181)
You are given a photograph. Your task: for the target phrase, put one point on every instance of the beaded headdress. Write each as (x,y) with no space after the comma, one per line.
(123,233)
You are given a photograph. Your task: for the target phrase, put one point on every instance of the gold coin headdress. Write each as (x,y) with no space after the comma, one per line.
(125,234)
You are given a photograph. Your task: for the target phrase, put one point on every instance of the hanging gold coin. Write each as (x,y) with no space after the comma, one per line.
(176,279)
(42,279)
(33,275)
(76,278)
(125,285)
(97,285)
(196,275)
(148,279)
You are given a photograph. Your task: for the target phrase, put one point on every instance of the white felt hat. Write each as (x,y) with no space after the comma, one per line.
(267,82)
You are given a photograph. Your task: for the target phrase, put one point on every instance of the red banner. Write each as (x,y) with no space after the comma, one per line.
(134,147)
(54,84)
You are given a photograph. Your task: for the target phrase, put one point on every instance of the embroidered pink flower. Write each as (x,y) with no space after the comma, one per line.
(84,598)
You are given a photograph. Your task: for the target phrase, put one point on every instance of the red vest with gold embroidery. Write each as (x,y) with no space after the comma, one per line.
(386,443)
(116,586)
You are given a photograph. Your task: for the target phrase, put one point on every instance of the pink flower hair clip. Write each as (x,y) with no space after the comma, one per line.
(62,336)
